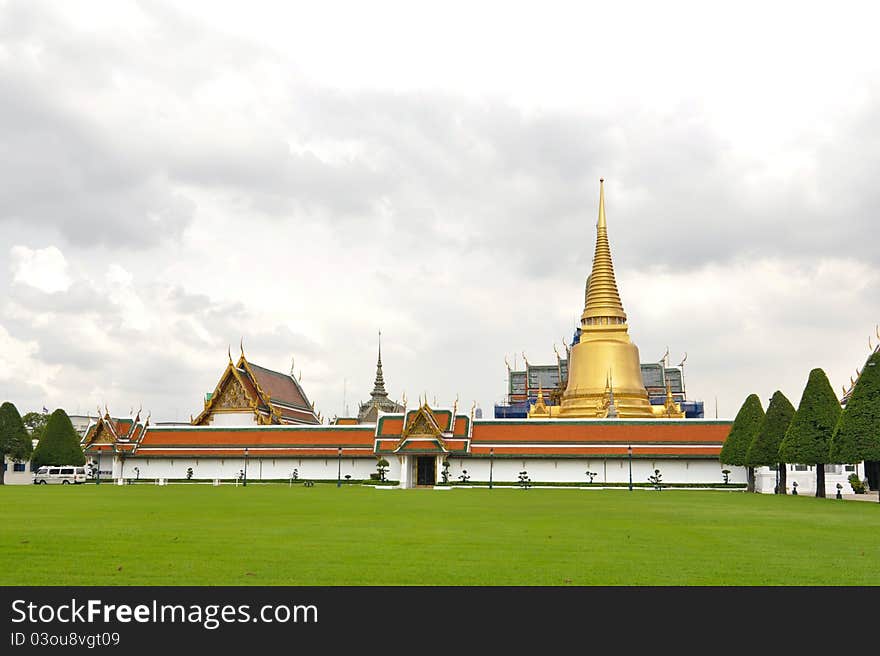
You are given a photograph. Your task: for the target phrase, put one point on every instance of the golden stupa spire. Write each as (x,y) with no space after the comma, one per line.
(604,376)
(602,299)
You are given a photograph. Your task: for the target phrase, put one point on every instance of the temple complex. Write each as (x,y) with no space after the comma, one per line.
(597,415)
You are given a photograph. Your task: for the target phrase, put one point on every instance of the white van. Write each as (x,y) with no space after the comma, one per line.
(65,474)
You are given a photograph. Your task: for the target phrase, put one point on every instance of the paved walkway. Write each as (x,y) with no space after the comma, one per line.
(867,496)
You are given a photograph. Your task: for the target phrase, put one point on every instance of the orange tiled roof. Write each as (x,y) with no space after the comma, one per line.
(280,387)
(286,436)
(511,438)
(621,431)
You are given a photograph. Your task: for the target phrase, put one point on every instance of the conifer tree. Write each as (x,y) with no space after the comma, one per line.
(808,439)
(857,435)
(59,444)
(764,450)
(742,433)
(14,439)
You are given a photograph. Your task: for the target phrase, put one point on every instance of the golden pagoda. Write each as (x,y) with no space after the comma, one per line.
(603,370)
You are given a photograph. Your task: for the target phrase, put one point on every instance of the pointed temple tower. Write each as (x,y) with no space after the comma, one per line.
(605,357)
(379,401)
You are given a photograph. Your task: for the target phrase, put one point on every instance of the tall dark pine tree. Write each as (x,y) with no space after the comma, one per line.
(742,434)
(808,439)
(59,444)
(857,436)
(764,450)
(15,442)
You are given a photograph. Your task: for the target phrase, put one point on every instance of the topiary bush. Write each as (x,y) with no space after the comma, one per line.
(857,435)
(60,443)
(742,433)
(808,438)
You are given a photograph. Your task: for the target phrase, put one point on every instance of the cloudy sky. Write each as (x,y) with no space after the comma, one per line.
(303,175)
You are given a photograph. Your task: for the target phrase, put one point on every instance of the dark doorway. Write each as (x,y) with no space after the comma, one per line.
(426,471)
(872,473)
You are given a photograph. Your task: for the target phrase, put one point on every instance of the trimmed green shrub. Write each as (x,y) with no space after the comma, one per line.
(60,443)
(808,438)
(857,434)
(764,450)
(15,442)
(742,433)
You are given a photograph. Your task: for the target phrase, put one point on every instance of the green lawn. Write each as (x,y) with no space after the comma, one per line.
(276,535)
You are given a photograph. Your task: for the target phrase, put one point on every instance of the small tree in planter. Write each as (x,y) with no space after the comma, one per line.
(464,477)
(656,480)
(524,480)
(725,473)
(382,467)
(591,475)
(857,486)
(347,478)
(189,473)
(137,473)
(294,475)
(444,473)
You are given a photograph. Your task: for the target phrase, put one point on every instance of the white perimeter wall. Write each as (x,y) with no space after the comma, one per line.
(257,468)
(25,477)
(607,470)
(765,479)
(539,470)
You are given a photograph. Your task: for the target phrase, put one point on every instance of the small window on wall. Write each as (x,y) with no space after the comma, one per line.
(851,468)
(800,468)
(19,467)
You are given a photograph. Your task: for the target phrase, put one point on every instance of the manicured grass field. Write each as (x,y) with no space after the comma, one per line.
(276,535)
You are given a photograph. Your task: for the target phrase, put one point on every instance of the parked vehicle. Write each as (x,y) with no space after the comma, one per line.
(64,475)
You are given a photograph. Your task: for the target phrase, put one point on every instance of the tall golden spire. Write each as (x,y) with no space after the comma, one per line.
(603,299)
(604,348)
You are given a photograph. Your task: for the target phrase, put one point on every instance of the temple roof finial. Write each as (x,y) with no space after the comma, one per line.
(379,385)
(602,298)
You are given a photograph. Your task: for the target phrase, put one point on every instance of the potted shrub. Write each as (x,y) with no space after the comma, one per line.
(382,467)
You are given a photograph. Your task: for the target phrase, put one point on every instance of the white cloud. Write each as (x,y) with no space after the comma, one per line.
(22,366)
(44,269)
(279,174)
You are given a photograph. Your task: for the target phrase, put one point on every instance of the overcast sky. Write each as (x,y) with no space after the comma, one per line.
(303,175)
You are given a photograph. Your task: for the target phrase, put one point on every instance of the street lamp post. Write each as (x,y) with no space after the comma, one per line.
(244,478)
(339,467)
(629,451)
(491,462)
